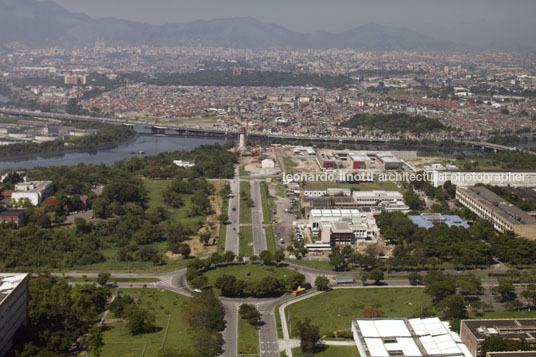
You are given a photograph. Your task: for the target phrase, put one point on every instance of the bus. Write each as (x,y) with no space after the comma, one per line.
(298,292)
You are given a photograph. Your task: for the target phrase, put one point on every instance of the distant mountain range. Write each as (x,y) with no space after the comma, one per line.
(44,23)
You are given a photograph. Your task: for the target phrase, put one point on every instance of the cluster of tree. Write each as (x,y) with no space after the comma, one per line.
(499,344)
(525,205)
(394,123)
(309,335)
(247,78)
(513,160)
(138,319)
(205,318)
(250,313)
(342,259)
(108,135)
(418,247)
(269,285)
(58,315)
(441,194)
(199,188)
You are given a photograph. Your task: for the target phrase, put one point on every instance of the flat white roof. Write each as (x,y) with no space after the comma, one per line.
(8,283)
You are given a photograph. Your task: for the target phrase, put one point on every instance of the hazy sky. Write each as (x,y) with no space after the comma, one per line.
(313,15)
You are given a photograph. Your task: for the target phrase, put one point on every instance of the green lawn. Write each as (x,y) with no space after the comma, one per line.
(223,228)
(247,272)
(339,307)
(248,338)
(245,237)
(168,309)
(242,171)
(270,239)
(314,264)
(267,216)
(116,280)
(245,211)
(289,164)
(155,188)
(505,315)
(330,351)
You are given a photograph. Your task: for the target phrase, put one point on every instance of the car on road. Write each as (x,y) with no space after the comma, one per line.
(233,209)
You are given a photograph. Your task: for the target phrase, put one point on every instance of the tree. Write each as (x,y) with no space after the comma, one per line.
(138,320)
(309,335)
(363,276)
(438,285)
(336,259)
(470,285)
(265,256)
(204,238)
(223,218)
(94,342)
(230,285)
(376,275)
(414,278)
(249,312)
(453,307)
(506,290)
(279,255)
(184,250)
(102,278)
(321,282)
(497,343)
(295,280)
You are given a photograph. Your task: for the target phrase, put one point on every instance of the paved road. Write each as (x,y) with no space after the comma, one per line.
(231,240)
(230,334)
(259,235)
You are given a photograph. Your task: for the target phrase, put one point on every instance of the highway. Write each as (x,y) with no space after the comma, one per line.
(259,235)
(231,240)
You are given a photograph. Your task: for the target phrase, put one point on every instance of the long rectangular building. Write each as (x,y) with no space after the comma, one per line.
(502,214)
(13,307)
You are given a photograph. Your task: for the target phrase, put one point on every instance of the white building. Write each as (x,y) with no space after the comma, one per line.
(334,191)
(267,164)
(185,164)
(390,200)
(13,307)
(342,226)
(34,191)
(314,193)
(407,337)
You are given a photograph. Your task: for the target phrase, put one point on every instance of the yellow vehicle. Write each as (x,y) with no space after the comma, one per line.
(299,292)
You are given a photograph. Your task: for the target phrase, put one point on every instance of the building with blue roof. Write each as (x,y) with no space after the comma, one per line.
(429,220)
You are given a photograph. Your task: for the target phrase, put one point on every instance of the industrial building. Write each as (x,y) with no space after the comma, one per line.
(474,332)
(11,215)
(34,191)
(390,200)
(406,337)
(502,214)
(429,220)
(342,226)
(13,307)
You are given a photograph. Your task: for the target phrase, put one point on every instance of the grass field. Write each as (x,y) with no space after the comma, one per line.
(314,264)
(242,171)
(245,237)
(116,280)
(267,216)
(248,338)
(339,307)
(168,309)
(223,229)
(247,272)
(505,315)
(289,164)
(330,351)
(245,211)
(155,188)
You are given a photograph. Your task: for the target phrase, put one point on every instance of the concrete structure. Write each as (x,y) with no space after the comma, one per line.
(75,79)
(390,200)
(342,226)
(185,164)
(406,337)
(358,160)
(474,332)
(339,192)
(267,164)
(11,215)
(389,161)
(503,215)
(496,178)
(13,307)
(429,220)
(35,191)
(313,193)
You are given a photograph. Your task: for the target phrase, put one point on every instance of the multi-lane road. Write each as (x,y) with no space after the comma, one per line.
(259,235)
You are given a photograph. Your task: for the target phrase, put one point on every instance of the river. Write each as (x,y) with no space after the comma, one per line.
(149,144)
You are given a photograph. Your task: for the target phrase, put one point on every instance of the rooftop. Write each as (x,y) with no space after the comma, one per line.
(8,283)
(429,220)
(408,337)
(506,328)
(507,210)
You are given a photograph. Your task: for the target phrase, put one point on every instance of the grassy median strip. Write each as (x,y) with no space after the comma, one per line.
(246,237)
(267,216)
(245,200)
(113,280)
(223,228)
(248,338)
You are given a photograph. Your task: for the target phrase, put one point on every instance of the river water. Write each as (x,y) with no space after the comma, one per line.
(149,144)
